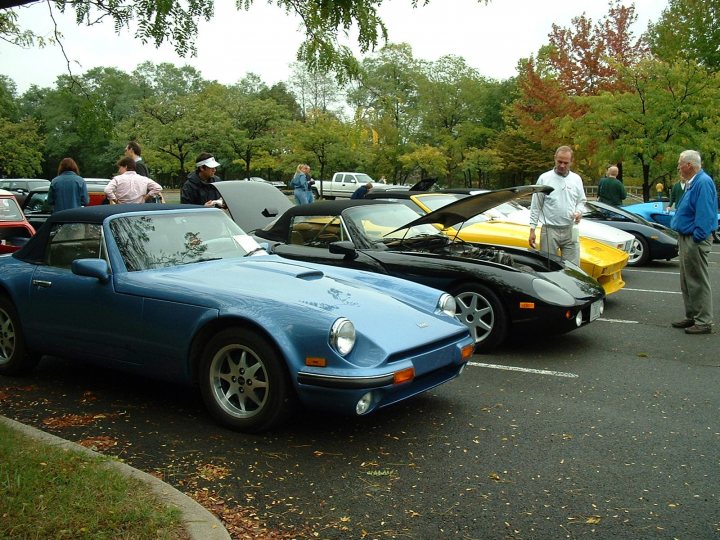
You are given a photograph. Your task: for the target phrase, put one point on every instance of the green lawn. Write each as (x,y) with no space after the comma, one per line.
(51,492)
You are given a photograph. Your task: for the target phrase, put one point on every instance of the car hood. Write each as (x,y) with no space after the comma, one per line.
(252,205)
(468,207)
(274,282)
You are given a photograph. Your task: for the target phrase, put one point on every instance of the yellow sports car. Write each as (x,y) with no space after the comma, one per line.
(599,260)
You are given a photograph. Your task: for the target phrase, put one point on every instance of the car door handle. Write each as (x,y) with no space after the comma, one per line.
(41,283)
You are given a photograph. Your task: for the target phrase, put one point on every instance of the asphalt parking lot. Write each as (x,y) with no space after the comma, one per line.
(610,431)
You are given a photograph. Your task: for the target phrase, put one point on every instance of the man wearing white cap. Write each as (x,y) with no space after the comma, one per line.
(198,188)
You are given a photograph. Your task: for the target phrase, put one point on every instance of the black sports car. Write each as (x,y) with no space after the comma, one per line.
(652,240)
(498,290)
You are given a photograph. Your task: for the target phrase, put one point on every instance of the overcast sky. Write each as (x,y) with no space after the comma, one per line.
(264,40)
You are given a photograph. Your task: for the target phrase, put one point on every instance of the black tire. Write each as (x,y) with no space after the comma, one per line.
(640,251)
(14,357)
(481,311)
(244,382)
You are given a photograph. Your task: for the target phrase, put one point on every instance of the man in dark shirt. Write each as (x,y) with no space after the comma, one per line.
(198,188)
(610,189)
(133,150)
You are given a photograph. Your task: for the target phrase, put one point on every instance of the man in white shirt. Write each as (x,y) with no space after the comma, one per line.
(560,210)
(129,186)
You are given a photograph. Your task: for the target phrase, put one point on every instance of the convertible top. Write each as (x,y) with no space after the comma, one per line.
(280,227)
(34,250)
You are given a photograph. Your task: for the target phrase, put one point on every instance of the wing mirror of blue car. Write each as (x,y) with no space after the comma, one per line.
(345,248)
(95,268)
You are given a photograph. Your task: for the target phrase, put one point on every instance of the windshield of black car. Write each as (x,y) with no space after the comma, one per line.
(9,210)
(377,221)
(163,239)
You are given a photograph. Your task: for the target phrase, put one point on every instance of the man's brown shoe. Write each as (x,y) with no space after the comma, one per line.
(685,323)
(699,329)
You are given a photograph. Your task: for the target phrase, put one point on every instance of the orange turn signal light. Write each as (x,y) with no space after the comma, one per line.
(315,361)
(404,375)
(466,352)
(527,305)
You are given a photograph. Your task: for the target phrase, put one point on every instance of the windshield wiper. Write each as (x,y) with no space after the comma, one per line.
(203,259)
(254,251)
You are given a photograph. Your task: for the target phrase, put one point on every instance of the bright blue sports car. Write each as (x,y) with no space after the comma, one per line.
(181,293)
(657,212)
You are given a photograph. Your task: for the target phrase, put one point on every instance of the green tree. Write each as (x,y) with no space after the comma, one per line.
(689,30)
(327,144)
(9,107)
(251,125)
(175,129)
(79,116)
(650,125)
(315,91)
(20,144)
(429,161)
(384,100)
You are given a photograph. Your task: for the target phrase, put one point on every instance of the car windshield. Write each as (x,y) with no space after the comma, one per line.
(37,203)
(9,210)
(378,221)
(160,240)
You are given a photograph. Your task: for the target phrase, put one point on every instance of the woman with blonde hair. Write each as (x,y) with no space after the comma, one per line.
(300,185)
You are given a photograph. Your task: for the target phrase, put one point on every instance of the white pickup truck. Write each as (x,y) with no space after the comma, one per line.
(344,184)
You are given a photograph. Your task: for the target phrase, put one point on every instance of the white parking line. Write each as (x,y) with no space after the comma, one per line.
(618,321)
(638,270)
(525,370)
(651,290)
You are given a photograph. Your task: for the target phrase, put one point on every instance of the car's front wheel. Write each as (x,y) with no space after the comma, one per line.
(481,311)
(244,381)
(640,251)
(14,358)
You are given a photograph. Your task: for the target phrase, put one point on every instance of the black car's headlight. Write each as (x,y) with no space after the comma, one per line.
(447,304)
(551,293)
(342,336)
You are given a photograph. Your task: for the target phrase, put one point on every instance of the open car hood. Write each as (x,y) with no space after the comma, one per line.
(252,205)
(464,209)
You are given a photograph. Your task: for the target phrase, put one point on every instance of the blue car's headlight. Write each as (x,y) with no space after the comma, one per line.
(342,336)
(551,293)
(447,304)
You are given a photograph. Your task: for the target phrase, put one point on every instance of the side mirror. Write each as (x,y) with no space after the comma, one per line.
(94,268)
(345,248)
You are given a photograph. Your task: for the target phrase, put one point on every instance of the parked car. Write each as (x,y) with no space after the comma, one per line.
(15,230)
(497,225)
(97,181)
(187,296)
(652,240)
(344,184)
(497,290)
(37,209)
(657,212)
(274,183)
(20,187)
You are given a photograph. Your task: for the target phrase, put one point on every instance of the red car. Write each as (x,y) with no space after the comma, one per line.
(15,229)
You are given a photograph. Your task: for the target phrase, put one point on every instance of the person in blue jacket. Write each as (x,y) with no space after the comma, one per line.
(301,186)
(695,220)
(67,189)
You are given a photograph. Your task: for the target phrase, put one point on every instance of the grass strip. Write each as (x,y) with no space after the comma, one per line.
(51,492)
